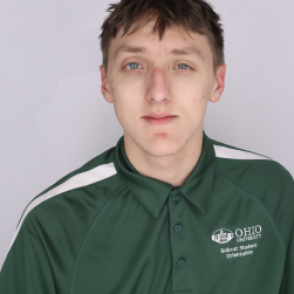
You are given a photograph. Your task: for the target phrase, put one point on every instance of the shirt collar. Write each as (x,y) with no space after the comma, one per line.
(152,193)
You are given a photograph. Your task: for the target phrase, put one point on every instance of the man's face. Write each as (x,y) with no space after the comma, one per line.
(156,82)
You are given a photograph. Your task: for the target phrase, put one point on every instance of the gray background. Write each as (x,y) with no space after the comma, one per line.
(53,117)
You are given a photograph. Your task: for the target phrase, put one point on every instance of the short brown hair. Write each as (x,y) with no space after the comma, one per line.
(193,15)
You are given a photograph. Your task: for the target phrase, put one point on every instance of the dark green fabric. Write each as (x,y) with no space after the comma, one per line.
(228,229)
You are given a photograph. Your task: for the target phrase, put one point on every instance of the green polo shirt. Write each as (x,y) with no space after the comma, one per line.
(106,229)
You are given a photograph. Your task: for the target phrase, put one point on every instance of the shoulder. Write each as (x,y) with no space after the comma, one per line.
(250,169)
(97,171)
(74,200)
(264,179)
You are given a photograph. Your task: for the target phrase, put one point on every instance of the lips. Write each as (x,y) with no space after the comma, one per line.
(155,120)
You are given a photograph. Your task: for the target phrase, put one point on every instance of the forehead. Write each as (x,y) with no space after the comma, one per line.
(175,41)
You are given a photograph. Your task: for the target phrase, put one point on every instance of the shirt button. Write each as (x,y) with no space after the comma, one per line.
(178,228)
(181,262)
(176,198)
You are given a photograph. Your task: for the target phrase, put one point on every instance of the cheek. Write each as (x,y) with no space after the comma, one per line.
(191,91)
(112,87)
(197,99)
(202,98)
(197,105)
(123,116)
(126,106)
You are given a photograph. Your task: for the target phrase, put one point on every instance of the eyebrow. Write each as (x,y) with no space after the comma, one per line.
(174,51)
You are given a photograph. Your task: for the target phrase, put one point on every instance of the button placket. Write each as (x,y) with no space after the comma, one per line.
(179,242)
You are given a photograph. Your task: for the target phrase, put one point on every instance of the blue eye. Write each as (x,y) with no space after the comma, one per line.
(183,64)
(132,65)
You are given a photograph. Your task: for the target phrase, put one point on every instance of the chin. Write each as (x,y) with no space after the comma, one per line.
(161,148)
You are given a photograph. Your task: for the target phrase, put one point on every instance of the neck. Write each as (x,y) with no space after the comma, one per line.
(172,169)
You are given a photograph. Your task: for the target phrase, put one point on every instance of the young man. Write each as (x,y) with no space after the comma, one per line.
(167,210)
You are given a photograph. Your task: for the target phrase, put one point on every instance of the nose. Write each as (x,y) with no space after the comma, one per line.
(158,86)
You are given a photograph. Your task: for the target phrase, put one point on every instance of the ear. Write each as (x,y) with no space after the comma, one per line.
(105,86)
(219,84)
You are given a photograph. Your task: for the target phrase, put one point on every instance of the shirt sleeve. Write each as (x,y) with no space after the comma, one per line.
(26,269)
(287,286)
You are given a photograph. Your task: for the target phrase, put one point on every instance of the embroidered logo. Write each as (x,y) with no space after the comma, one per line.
(222,236)
(247,234)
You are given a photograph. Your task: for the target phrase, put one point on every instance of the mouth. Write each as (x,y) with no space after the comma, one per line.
(159,120)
